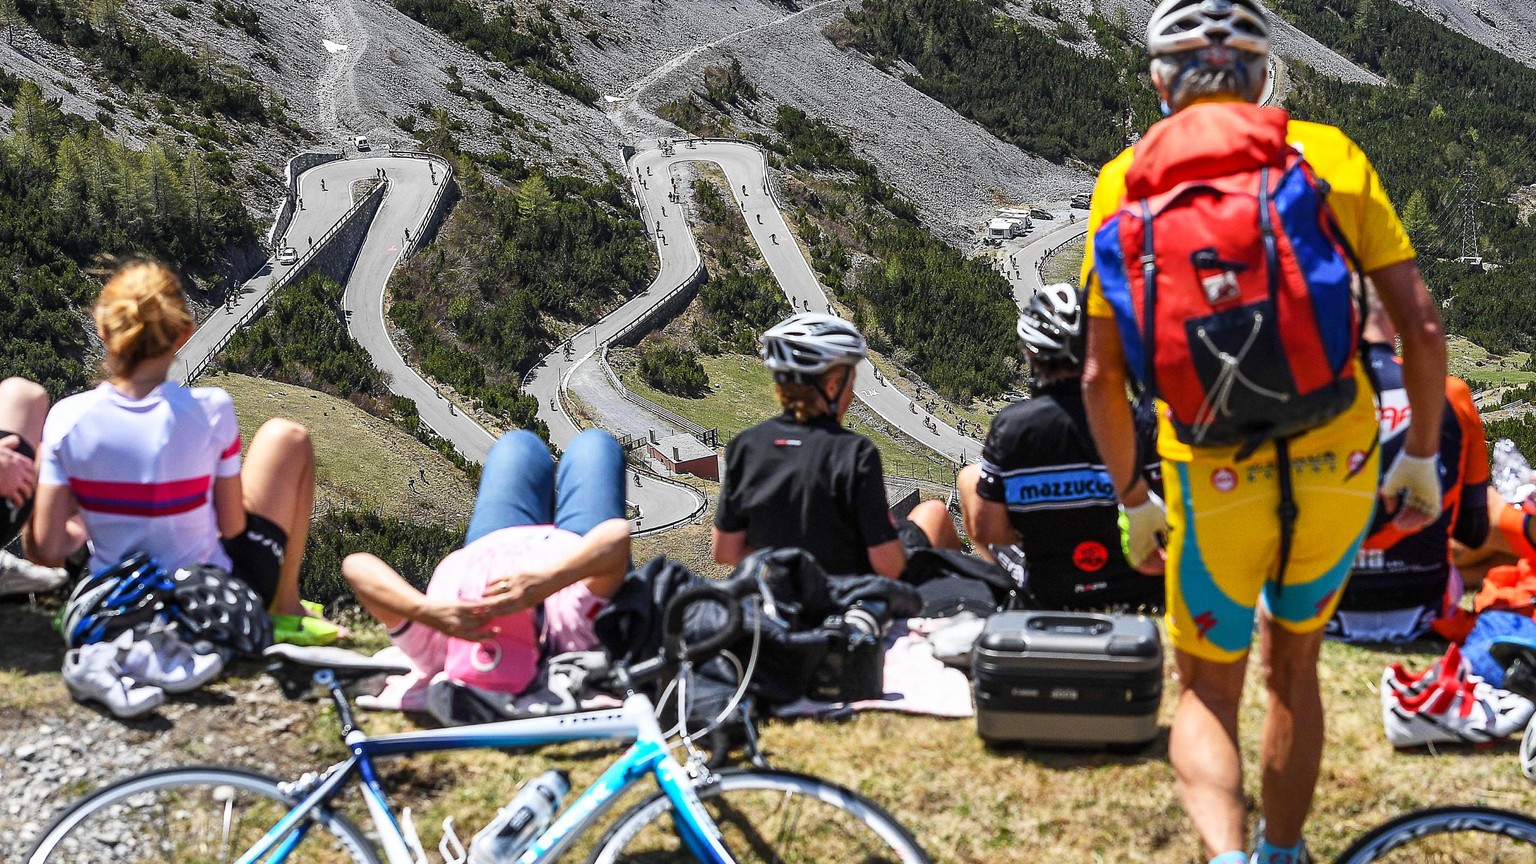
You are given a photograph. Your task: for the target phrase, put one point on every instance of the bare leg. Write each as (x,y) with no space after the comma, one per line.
(1203,749)
(279,483)
(1292,748)
(23,405)
(938,527)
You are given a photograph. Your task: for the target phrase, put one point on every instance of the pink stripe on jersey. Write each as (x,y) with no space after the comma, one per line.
(231,450)
(141,499)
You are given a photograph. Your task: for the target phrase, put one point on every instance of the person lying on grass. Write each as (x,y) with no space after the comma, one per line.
(547,547)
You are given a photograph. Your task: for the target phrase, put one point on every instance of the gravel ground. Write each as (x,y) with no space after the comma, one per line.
(53,750)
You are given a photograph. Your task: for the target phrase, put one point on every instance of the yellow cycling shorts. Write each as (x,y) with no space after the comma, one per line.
(1224,532)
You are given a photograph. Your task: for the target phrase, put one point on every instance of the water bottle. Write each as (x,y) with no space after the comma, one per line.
(523,819)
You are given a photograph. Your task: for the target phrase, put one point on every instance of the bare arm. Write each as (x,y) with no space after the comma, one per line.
(1408,303)
(600,559)
(1413,312)
(888,559)
(392,600)
(729,546)
(53,534)
(1109,414)
(988,525)
(229,505)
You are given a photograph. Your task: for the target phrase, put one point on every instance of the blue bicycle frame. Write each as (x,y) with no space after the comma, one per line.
(635,721)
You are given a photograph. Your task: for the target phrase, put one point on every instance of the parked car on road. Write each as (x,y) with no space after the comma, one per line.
(361,143)
(287,255)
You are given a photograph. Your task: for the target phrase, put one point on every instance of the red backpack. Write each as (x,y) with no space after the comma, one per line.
(1231,284)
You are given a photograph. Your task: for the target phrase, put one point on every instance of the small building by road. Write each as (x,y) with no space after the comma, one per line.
(684,454)
(1006,228)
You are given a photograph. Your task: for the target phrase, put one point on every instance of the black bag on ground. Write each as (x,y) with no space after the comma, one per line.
(807,622)
(1068,678)
(950,582)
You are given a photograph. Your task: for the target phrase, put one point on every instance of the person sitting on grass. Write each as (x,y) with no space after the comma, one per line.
(547,547)
(802,480)
(1041,496)
(23,404)
(142,463)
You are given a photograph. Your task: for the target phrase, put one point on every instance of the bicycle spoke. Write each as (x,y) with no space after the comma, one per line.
(196,816)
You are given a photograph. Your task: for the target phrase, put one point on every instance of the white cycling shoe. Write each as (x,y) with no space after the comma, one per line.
(92,673)
(20,576)
(161,659)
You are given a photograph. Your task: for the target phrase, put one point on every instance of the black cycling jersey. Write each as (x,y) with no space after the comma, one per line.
(816,486)
(1040,461)
(1413,570)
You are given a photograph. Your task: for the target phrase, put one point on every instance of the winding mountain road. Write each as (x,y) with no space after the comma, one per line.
(651,173)
(412,185)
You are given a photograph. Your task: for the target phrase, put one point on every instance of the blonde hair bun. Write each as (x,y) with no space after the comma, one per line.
(141,313)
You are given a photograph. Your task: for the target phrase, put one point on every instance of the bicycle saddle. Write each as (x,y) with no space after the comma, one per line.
(294,666)
(1518,657)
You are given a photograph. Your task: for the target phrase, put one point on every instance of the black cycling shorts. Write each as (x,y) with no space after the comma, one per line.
(13,518)
(257,554)
(912,537)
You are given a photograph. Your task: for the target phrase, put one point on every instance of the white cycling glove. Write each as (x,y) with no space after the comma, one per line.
(1414,480)
(1143,529)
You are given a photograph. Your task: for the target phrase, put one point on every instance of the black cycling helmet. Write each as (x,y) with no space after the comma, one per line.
(213,604)
(117,597)
(1051,326)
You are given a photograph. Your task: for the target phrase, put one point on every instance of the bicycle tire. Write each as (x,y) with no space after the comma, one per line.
(1456,833)
(75,835)
(641,834)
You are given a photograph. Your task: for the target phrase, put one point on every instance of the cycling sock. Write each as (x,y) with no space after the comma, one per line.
(1269,853)
(1234,857)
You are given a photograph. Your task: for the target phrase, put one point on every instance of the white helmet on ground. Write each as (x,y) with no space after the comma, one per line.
(1051,325)
(1186,25)
(809,344)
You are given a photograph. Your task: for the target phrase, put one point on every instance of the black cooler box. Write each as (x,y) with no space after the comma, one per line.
(1068,678)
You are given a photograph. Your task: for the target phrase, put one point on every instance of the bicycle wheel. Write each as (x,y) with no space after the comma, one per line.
(1447,834)
(776,816)
(202,815)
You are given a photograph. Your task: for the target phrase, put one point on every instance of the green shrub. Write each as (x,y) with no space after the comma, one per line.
(413,549)
(672,369)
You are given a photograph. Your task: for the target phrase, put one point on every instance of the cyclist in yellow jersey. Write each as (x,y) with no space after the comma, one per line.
(1221,530)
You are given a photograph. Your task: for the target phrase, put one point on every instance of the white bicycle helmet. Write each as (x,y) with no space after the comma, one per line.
(1051,325)
(810,343)
(1186,25)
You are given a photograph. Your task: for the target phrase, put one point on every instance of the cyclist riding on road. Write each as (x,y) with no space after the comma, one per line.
(1226,540)
(801,479)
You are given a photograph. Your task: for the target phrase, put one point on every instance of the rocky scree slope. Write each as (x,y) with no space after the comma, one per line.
(1506,26)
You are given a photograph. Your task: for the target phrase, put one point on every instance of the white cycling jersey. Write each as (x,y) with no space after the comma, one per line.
(142,470)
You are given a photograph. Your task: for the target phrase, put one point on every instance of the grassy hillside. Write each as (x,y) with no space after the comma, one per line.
(362,462)
(741,394)
(378,489)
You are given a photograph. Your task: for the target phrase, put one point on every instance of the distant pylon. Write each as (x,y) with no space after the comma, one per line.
(1468,195)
